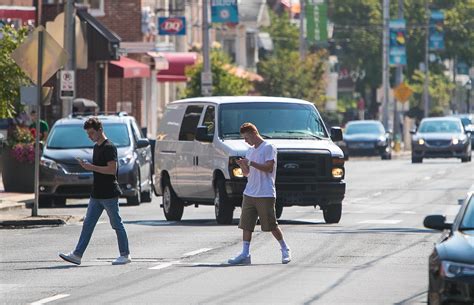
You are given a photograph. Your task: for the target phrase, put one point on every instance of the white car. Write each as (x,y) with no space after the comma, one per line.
(199,141)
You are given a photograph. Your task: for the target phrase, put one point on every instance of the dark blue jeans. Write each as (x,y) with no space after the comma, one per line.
(94,210)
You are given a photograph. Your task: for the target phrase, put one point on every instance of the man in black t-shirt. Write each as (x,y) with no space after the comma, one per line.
(105,195)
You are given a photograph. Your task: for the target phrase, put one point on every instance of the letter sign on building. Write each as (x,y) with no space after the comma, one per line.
(172,25)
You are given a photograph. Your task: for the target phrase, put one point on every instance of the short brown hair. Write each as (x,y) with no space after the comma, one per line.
(248,127)
(93,123)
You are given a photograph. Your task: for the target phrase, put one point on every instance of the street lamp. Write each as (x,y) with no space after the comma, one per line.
(468,86)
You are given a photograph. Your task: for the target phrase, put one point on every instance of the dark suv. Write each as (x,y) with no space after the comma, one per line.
(62,177)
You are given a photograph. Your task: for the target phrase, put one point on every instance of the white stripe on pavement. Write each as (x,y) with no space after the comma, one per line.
(162,266)
(381,221)
(50,299)
(198,251)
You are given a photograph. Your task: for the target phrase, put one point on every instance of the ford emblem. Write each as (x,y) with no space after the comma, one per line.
(291,166)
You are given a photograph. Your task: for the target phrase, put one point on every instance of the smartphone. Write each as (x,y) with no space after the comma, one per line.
(80,160)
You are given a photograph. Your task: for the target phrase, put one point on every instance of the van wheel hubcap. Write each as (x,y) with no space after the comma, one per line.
(216,202)
(167,199)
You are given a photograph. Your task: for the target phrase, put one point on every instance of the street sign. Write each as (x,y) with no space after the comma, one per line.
(224,11)
(206,78)
(402,92)
(67,85)
(397,42)
(26,56)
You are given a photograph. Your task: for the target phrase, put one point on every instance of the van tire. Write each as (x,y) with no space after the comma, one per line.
(332,213)
(224,209)
(172,207)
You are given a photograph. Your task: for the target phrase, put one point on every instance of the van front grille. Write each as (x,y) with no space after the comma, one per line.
(303,166)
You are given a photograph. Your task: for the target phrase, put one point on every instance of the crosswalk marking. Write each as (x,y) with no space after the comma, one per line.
(162,266)
(50,299)
(381,221)
(198,251)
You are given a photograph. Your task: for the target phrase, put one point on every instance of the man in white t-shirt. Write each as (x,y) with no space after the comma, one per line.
(259,166)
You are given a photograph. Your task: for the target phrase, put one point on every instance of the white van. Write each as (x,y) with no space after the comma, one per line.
(198,142)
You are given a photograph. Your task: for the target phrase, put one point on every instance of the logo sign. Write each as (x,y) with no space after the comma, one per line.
(172,25)
(397,43)
(291,166)
(67,84)
(436,37)
(224,11)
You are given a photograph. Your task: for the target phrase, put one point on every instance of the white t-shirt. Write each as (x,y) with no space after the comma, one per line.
(260,183)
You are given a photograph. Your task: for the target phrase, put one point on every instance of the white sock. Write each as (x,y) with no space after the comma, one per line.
(283,244)
(246,248)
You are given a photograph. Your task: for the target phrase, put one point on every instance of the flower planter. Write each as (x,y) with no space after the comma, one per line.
(17,176)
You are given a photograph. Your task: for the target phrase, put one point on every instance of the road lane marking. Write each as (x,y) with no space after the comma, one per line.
(162,266)
(50,299)
(427,178)
(377,194)
(407,212)
(381,221)
(198,251)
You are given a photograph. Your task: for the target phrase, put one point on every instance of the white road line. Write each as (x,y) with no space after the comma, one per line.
(407,212)
(377,194)
(360,199)
(162,266)
(50,299)
(199,251)
(427,178)
(381,221)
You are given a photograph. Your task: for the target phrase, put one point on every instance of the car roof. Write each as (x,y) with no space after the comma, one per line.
(242,99)
(105,119)
(444,118)
(363,122)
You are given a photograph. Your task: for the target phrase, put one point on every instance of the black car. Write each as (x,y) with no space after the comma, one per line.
(367,137)
(451,264)
(443,137)
(62,177)
(467,120)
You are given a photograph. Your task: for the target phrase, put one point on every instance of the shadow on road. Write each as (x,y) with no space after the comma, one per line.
(212,222)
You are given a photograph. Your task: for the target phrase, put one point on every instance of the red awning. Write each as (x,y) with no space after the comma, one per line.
(177,65)
(128,68)
(23,13)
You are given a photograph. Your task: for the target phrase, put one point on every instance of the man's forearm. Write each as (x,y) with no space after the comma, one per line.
(266,167)
(106,170)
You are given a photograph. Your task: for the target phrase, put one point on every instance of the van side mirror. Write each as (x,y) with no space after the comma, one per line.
(141,143)
(202,135)
(336,134)
(436,222)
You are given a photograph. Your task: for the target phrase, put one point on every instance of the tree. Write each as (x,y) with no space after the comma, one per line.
(224,82)
(285,35)
(285,74)
(11,76)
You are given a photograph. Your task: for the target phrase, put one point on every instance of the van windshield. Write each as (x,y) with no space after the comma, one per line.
(273,120)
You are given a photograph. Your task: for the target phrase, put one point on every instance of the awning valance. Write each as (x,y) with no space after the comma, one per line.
(177,63)
(23,13)
(128,68)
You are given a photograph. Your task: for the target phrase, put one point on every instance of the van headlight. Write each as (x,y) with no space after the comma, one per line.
(452,269)
(237,172)
(337,172)
(234,169)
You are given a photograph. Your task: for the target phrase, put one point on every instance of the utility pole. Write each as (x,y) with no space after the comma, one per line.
(399,79)
(385,66)
(302,39)
(206,74)
(70,47)
(426,83)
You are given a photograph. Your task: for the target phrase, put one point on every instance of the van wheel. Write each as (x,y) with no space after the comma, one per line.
(172,206)
(278,210)
(332,213)
(224,208)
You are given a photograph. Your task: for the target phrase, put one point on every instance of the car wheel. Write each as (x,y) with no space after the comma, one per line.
(416,160)
(332,213)
(278,210)
(386,156)
(45,201)
(465,159)
(59,202)
(224,209)
(172,206)
(136,199)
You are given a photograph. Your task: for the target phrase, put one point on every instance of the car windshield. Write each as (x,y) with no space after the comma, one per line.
(468,219)
(465,121)
(440,126)
(74,136)
(364,128)
(273,120)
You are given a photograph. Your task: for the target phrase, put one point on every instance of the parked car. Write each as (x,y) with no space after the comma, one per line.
(467,120)
(367,137)
(62,177)
(451,264)
(443,137)
(199,142)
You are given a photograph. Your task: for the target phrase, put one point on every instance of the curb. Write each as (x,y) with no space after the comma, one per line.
(39,221)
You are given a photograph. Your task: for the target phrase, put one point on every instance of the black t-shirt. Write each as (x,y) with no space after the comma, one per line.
(105,186)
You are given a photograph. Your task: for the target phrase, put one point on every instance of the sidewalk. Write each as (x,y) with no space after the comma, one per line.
(15,212)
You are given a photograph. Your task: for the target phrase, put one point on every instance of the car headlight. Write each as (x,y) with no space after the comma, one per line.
(49,163)
(452,269)
(421,142)
(455,141)
(125,160)
(381,141)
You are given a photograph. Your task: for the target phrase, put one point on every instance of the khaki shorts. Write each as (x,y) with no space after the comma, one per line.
(253,208)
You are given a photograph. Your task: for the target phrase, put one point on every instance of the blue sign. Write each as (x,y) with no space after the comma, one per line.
(397,43)
(436,31)
(224,11)
(172,25)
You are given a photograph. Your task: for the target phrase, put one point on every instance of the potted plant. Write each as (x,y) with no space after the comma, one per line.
(18,160)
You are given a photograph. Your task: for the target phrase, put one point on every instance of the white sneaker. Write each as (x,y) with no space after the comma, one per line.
(122,260)
(240,259)
(285,256)
(71,258)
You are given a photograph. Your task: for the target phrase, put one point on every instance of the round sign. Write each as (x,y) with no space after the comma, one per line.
(225,14)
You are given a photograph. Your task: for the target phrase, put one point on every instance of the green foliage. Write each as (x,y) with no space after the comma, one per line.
(224,82)
(285,35)
(285,74)
(11,76)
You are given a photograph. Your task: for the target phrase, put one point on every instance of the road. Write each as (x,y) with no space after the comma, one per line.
(377,254)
